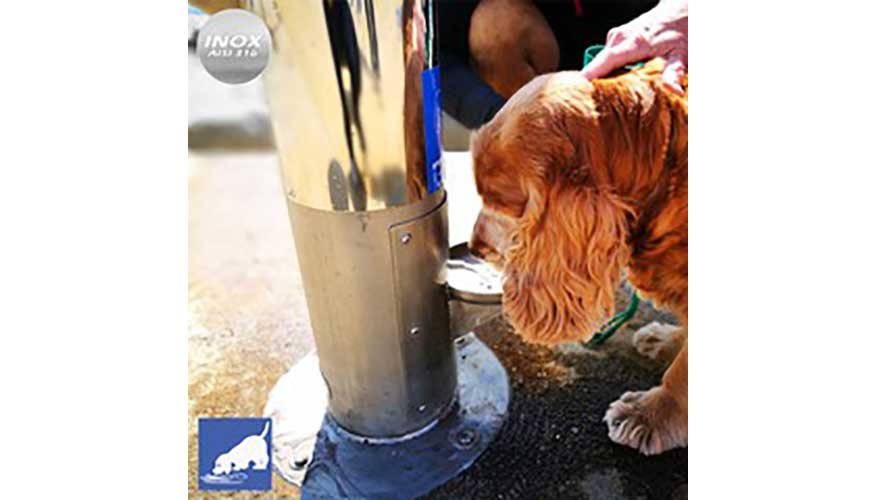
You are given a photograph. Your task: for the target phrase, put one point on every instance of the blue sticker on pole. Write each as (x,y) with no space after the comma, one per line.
(431,120)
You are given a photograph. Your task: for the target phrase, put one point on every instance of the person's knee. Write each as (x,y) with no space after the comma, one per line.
(511,43)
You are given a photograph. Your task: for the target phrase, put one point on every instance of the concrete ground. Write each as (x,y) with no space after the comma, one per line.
(248,319)
(249,325)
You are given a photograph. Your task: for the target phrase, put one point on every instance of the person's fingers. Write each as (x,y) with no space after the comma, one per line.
(672,75)
(615,36)
(629,51)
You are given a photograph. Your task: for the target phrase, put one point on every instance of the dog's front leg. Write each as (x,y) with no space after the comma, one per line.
(654,420)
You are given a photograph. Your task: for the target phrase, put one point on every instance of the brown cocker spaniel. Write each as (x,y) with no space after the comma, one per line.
(580,181)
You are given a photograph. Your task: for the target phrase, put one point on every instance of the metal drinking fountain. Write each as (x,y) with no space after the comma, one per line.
(398,397)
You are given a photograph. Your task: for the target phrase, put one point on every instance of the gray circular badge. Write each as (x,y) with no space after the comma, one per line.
(234,46)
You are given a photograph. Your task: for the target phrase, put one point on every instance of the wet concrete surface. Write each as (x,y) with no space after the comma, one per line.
(554,443)
(249,325)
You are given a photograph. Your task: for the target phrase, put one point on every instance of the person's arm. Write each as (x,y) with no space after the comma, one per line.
(660,32)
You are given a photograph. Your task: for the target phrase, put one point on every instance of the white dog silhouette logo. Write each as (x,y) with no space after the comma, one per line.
(251,450)
(227,466)
(234,453)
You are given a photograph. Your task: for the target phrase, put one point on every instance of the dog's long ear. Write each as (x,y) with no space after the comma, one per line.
(565,263)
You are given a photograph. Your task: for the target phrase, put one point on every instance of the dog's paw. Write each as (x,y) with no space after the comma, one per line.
(658,340)
(650,421)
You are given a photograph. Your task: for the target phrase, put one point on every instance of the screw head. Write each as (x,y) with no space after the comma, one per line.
(421,408)
(406,237)
(466,437)
(414,331)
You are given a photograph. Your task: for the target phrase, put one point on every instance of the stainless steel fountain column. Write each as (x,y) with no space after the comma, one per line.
(344,90)
(353,92)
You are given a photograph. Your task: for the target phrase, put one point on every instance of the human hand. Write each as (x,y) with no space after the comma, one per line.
(660,32)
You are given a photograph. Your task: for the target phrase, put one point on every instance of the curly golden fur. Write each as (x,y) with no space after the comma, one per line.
(580,181)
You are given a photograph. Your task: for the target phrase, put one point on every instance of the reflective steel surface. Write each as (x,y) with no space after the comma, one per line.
(345,96)
(378,307)
(344,88)
(472,279)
